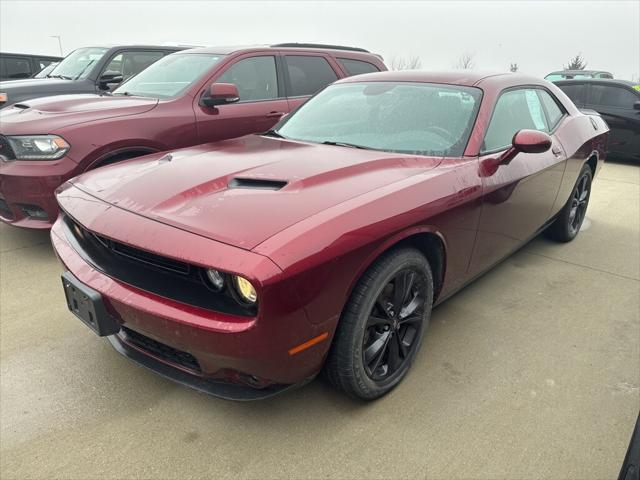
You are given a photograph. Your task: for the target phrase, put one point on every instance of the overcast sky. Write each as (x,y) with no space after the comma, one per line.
(538,35)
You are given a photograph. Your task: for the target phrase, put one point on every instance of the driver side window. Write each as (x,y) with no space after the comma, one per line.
(255,78)
(515,110)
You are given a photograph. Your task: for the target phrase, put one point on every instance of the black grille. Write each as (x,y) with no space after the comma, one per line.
(5,211)
(5,149)
(153,273)
(143,256)
(160,350)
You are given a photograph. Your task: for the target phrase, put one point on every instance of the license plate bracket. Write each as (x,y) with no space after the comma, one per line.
(87,304)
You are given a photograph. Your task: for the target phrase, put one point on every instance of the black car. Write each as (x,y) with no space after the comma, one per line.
(618,101)
(86,70)
(16,66)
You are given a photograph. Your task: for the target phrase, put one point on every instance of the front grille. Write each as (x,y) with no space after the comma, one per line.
(166,277)
(143,256)
(6,152)
(5,211)
(160,350)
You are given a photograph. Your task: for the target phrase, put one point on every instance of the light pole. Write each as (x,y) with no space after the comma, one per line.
(59,43)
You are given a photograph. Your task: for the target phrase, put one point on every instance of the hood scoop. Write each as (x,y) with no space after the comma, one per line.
(21,106)
(257,183)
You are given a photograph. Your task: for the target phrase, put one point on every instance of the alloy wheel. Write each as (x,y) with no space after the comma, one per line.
(394,325)
(579,201)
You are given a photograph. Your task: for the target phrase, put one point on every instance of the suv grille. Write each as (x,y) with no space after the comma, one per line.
(6,152)
(160,350)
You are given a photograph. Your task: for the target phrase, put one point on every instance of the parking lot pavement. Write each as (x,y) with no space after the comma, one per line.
(530,372)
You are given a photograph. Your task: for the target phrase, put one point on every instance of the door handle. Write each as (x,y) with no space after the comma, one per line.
(557,151)
(274,114)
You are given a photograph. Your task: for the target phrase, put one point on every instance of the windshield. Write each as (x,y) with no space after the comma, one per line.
(169,76)
(416,118)
(78,63)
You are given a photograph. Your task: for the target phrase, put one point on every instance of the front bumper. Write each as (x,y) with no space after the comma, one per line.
(236,357)
(27,191)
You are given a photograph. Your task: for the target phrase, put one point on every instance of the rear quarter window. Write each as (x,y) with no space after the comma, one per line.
(357,67)
(611,96)
(576,92)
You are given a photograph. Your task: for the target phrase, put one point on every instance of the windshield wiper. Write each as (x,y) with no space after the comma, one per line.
(126,94)
(63,77)
(272,133)
(345,144)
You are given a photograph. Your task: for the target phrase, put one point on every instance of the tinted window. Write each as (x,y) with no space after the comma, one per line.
(169,76)
(356,67)
(515,110)
(255,78)
(415,118)
(131,63)
(611,96)
(576,92)
(307,75)
(554,113)
(15,68)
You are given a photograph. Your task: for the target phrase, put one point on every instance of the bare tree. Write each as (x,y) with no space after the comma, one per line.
(513,67)
(465,62)
(401,63)
(576,63)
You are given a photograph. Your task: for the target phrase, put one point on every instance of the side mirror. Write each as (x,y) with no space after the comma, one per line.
(526,141)
(109,78)
(636,105)
(220,94)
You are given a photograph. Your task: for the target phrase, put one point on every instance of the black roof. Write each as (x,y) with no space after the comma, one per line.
(615,81)
(30,55)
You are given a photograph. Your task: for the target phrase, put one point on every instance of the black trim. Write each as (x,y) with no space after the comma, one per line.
(321,46)
(216,388)
(257,183)
(163,276)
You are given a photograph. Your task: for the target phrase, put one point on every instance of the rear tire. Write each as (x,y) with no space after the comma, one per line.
(567,225)
(382,325)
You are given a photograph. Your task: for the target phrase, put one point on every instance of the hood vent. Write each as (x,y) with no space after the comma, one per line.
(257,183)
(21,106)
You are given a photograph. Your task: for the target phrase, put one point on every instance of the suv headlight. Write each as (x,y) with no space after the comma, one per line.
(38,147)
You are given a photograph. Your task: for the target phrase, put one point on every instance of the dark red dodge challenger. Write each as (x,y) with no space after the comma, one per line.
(245,267)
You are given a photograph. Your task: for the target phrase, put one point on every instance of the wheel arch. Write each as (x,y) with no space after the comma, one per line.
(427,239)
(119,154)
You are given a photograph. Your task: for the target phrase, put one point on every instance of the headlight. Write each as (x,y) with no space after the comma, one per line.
(216,278)
(245,289)
(3,97)
(38,147)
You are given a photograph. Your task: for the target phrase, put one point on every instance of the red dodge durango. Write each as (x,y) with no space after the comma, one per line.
(188,98)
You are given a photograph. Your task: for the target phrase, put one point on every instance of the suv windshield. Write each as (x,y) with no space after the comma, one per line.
(169,76)
(78,63)
(415,118)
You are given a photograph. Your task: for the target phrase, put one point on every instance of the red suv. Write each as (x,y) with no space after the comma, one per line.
(187,98)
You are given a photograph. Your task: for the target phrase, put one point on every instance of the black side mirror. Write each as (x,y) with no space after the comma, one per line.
(109,79)
(636,105)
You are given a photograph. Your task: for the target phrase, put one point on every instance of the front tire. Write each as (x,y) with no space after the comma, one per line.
(382,325)
(567,225)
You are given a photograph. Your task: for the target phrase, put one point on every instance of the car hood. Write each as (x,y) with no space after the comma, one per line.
(48,84)
(45,115)
(241,192)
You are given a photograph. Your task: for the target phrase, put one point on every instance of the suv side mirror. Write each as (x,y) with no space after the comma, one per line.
(526,141)
(636,105)
(109,78)
(220,94)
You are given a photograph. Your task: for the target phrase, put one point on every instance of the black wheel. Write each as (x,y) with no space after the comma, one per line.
(382,325)
(567,225)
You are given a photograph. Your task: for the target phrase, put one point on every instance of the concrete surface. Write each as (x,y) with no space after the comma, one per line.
(530,372)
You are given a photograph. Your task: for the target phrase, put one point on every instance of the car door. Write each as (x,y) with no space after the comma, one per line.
(518,197)
(576,91)
(306,74)
(262,100)
(615,104)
